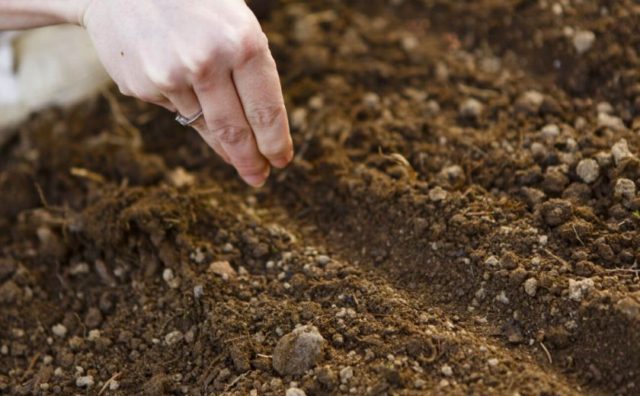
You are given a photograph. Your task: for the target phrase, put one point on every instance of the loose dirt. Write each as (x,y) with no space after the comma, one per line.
(461,218)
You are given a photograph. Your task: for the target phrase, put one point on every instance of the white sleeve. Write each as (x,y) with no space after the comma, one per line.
(8,81)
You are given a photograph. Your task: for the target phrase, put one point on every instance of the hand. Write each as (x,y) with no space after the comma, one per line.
(190,55)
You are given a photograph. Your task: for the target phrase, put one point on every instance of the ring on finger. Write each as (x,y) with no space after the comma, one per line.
(186,121)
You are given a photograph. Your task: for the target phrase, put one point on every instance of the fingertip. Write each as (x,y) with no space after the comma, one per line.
(283,161)
(257,180)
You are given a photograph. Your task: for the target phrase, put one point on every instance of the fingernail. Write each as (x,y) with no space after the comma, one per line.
(283,161)
(257,180)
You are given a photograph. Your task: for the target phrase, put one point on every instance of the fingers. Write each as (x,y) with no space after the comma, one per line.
(258,87)
(227,124)
(186,103)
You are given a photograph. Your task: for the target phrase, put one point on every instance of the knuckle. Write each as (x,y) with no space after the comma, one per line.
(169,82)
(231,135)
(166,78)
(125,90)
(251,43)
(200,66)
(266,117)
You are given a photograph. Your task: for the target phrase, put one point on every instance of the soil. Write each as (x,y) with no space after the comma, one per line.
(461,218)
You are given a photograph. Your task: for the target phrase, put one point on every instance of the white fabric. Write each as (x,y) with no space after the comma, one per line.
(43,67)
(8,79)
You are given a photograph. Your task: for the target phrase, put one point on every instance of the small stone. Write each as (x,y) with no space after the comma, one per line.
(198,291)
(173,337)
(556,212)
(179,177)
(346,374)
(539,151)
(114,385)
(620,151)
(588,170)
(327,377)
(93,335)
(167,275)
(222,269)
(227,248)
(550,131)
(555,180)
(437,194)
(605,159)
(532,196)
(76,343)
(79,269)
(441,71)
(629,307)
(625,189)
(371,100)
(612,122)
(171,280)
(452,176)
(583,40)
(446,370)
(85,381)
(432,107)
(530,102)
(502,297)
(604,107)
(531,286)
(471,108)
(323,259)
(198,255)
(409,43)
(578,289)
(59,330)
(298,351)
(557,9)
(492,261)
(493,362)
(295,392)
(299,118)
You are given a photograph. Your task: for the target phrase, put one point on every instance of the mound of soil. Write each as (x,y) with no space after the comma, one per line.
(461,217)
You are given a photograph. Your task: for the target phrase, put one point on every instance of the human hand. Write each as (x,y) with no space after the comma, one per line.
(193,55)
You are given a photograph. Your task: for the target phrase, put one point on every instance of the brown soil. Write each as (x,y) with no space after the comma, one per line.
(439,244)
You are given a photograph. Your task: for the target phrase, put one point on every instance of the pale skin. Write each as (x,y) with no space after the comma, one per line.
(185,56)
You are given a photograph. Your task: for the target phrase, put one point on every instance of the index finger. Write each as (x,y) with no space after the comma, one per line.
(258,86)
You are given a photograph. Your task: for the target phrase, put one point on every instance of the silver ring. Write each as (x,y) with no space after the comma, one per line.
(186,121)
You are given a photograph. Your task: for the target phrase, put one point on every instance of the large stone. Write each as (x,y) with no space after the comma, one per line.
(298,351)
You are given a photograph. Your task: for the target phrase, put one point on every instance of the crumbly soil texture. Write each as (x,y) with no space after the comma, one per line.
(461,217)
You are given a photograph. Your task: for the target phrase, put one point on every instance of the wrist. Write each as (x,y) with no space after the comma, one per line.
(25,14)
(59,11)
